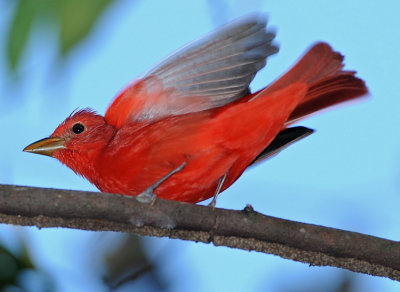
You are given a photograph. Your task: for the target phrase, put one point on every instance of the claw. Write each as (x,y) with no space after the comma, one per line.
(147,196)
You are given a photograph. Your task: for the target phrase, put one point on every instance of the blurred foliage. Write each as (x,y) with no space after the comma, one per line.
(129,263)
(345,283)
(11,265)
(14,268)
(73,19)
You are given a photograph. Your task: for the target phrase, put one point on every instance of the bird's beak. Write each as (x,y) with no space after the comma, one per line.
(46,146)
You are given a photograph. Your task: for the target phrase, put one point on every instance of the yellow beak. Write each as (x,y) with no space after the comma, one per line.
(46,146)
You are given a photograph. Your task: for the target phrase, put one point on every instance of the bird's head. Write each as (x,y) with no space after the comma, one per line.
(78,139)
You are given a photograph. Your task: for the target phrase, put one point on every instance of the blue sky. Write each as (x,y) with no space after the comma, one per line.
(346,175)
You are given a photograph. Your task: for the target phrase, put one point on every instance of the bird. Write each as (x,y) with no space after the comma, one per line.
(187,129)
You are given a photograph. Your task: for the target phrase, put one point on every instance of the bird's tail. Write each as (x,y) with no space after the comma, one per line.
(321,69)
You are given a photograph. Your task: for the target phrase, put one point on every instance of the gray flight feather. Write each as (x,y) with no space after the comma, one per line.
(216,69)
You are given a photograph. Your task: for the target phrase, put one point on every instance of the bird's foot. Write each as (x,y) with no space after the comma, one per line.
(213,203)
(221,181)
(148,196)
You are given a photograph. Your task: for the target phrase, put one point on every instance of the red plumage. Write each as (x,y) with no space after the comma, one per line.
(195,108)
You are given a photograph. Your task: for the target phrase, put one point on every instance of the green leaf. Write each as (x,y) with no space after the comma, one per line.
(76,18)
(73,19)
(19,31)
(8,268)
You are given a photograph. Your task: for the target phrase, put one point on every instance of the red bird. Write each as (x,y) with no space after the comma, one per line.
(189,127)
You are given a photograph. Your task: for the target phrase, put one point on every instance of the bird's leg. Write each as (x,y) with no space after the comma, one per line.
(218,190)
(148,195)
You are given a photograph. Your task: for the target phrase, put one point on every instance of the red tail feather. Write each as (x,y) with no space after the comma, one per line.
(321,69)
(328,92)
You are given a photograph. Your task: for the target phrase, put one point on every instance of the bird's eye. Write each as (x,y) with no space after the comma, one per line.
(78,128)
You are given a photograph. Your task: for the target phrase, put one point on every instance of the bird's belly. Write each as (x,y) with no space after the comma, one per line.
(196,182)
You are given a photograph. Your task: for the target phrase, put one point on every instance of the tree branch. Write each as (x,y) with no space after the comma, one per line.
(246,229)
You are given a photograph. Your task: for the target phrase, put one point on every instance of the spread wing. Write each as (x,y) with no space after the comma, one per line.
(207,73)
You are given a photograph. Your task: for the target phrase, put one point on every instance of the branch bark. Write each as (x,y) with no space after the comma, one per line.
(246,229)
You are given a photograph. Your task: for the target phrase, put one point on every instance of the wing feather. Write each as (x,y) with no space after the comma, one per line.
(207,73)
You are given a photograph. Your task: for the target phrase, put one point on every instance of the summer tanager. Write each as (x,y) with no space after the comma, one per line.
(189,127)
